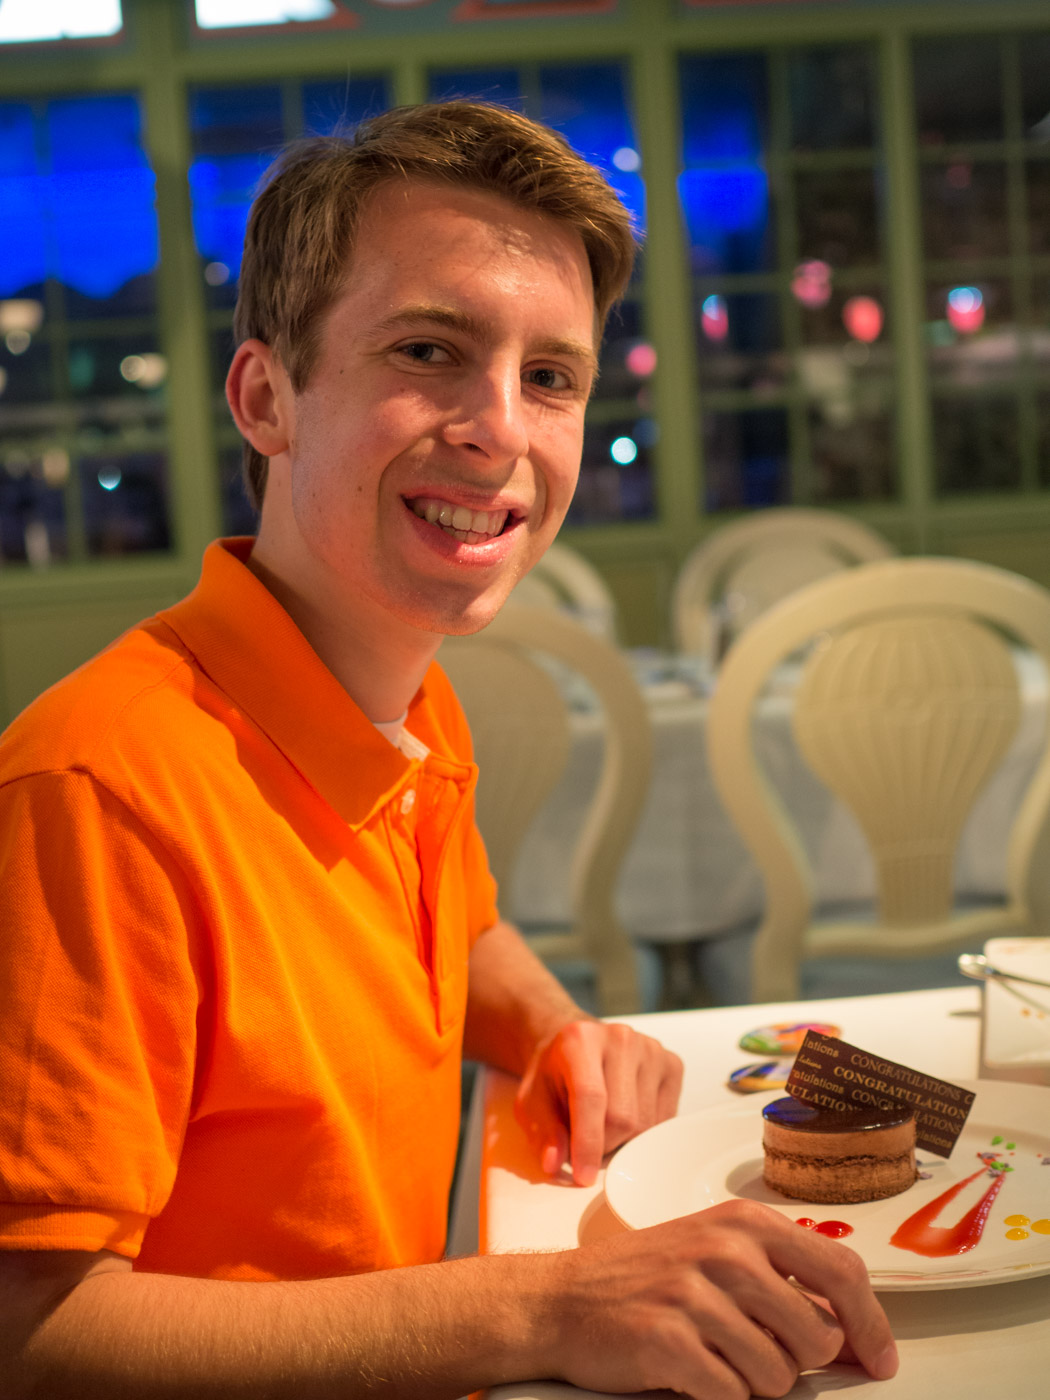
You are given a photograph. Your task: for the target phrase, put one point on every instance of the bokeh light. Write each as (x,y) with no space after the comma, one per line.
(811,283)
(623,451)
(714,317)
(641,360)
(965,309)
(863,318)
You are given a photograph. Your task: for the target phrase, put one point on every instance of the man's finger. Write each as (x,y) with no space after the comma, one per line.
(670,1087)
(836,1273)
(587,1105)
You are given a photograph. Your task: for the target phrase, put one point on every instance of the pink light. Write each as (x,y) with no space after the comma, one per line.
(714,317)
(862,317)
(812,283)
(641,360)
(965,309)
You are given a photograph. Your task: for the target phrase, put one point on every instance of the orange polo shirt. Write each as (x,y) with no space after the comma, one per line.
(233,971)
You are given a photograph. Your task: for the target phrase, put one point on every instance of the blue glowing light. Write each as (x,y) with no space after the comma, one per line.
(965,299)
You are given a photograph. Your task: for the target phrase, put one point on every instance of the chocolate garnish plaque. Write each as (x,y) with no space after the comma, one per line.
(829,1073)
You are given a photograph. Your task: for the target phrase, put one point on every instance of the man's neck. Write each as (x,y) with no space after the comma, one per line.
(381,666)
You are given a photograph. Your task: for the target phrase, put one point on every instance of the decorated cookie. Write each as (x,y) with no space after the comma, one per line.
(785,1038)
(757,1079)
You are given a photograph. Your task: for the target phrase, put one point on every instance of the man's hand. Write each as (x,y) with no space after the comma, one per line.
(708,1306)
(590,1087)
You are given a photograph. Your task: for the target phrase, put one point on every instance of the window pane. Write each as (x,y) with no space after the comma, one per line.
(976,445)
(124,500)
(1042,405)
(32,512)
(24,21)
(724,188)
(72,172)
(832,98)
(26,368)
(746,459)
(853,314)
(221,14)
(964,210)
(958,89)
(482,84)
(628,360)
(616,481)
(739,341)
(838,216)
(853,461)
(587,103)
(237,515)
(341,105)
(1037,180)
(972,330)
(236,132)
(1035,85)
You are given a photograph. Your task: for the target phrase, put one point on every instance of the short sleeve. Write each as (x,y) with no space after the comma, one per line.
(99,991)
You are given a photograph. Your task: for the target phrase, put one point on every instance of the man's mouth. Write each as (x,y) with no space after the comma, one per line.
(462,523)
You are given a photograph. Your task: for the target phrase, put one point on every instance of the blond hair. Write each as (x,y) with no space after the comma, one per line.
(302,225)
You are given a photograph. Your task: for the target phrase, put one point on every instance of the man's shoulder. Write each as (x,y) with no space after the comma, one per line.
(130,696)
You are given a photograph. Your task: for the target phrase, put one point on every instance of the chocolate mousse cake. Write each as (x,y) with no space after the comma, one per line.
(834,1156)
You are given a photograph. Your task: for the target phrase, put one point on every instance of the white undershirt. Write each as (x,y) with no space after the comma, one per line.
(394,730)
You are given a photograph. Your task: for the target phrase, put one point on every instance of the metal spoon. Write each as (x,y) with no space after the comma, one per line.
(977,966)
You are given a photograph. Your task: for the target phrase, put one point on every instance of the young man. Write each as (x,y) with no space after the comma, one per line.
(250,928)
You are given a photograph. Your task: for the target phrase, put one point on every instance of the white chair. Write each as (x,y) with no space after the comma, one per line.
(905,706)
(731,577)
(511,680)
(564,579)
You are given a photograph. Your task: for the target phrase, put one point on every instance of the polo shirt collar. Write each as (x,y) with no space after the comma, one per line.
(246,643)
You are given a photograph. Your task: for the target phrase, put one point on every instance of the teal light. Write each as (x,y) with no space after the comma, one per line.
(623,451)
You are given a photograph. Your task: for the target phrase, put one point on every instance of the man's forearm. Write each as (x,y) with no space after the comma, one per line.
(431,1332)
(515,1003)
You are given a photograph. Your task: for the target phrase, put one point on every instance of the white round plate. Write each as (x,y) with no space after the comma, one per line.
(699,1160)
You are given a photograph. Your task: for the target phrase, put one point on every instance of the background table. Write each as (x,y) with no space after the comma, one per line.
(965,1343)
(688,876)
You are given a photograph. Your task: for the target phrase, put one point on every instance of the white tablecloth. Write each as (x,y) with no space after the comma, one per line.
(688,875)
(960,1344)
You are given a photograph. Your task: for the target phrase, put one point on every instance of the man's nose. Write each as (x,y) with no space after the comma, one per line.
(491,416)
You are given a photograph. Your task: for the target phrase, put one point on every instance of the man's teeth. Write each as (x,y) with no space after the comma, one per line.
(465,524)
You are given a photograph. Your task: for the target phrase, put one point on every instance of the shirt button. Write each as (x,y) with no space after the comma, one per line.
(408,801)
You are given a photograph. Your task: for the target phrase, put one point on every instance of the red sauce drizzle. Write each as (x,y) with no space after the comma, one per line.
(921,1236)
(834,1229)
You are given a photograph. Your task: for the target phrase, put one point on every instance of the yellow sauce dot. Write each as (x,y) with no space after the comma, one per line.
(1017,1220)
(1041,1227)
(1017,1234)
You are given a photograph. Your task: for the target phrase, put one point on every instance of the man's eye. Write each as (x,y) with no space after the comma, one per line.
(425,352)
(550,379)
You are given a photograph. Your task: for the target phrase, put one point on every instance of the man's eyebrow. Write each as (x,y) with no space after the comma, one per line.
(453,319)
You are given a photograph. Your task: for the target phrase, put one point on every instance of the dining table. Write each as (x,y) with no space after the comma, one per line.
(988,1336)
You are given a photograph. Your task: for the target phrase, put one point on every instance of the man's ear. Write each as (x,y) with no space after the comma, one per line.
(260,397)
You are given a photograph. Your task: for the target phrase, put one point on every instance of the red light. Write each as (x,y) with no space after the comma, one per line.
(641,360)
(862,317)
(812,283)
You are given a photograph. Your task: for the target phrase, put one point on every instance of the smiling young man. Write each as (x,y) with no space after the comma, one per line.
(250,927)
